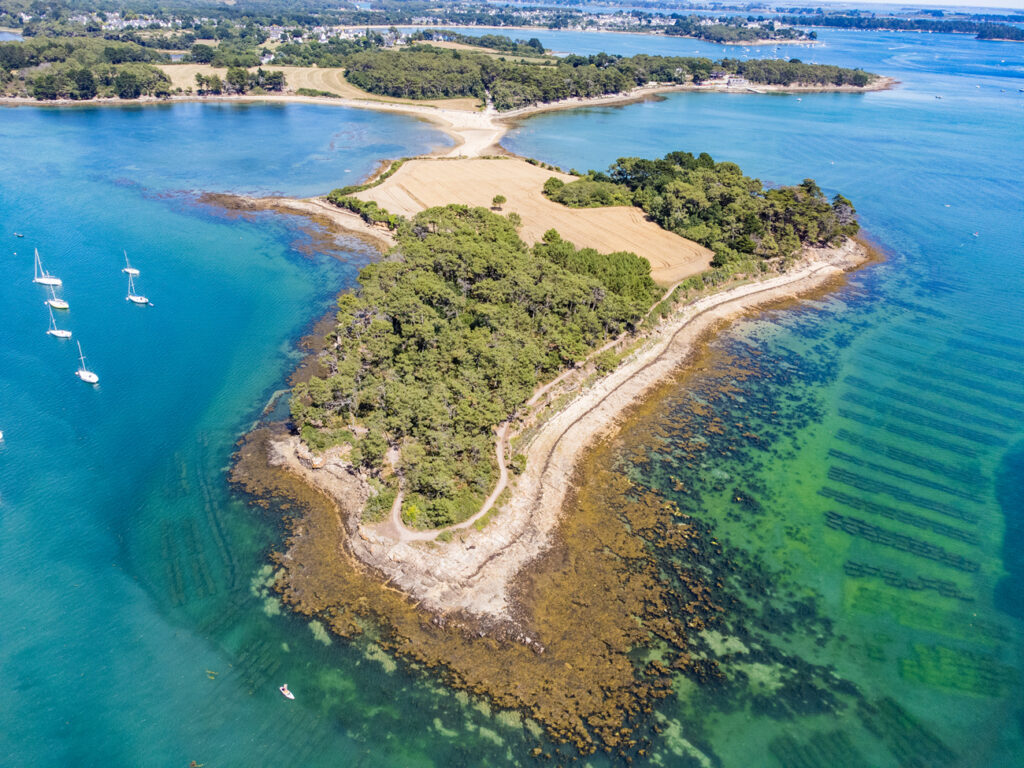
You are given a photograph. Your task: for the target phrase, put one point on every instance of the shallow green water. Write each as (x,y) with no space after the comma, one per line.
(866,467)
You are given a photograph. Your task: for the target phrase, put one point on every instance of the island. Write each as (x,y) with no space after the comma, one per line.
(430,471)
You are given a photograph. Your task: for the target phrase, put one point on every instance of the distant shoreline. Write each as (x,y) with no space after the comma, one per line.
(475,132)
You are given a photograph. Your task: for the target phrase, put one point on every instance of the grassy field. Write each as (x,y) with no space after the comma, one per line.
(421,184)
(330,80)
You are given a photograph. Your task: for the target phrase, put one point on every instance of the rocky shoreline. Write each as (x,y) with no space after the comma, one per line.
(473,573)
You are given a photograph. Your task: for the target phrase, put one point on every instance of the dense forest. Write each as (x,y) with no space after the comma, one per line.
(448,337)
(80,68)
(717,206)
(83,68)
(426,72)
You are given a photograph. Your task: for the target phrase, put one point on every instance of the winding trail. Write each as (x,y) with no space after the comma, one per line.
(396,528)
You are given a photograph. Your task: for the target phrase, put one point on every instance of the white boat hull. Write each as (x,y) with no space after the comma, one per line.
(60,333)
(136,299)
(57,303)
(55,281)
(131,271)
(88,377)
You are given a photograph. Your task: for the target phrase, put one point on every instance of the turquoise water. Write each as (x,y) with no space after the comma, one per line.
(884,485)
(127,568)
(135,629)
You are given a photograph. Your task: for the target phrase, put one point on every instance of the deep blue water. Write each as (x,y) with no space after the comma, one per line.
(134,627)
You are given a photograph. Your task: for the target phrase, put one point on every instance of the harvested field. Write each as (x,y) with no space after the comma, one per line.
(330,80)
(421,184)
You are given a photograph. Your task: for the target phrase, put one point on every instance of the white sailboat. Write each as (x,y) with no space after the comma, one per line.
(132,295)
(84,373)
(42,277)
(128,268)
(56,303)
(60,333)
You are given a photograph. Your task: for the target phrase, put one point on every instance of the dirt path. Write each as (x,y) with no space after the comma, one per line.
(473,572)
(397,528)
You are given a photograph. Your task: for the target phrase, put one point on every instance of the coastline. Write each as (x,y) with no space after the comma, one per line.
(336,219)
(473,574)
(644,92)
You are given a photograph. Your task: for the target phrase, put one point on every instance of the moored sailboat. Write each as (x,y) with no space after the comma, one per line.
(128,268)
(42,277)
(132,295)
(84,373)
(56,303)
(60,333)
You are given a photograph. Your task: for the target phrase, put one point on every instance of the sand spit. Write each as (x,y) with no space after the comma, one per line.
(473,573)
(337,220)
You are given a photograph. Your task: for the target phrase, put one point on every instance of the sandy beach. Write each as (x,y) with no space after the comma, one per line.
(337,220)
(472,574)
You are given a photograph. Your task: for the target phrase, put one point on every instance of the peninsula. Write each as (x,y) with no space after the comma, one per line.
(520,313)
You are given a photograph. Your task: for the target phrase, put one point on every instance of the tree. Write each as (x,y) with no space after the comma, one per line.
(498,201)
(84,84)
(238,79)
(44,87)
(202,54)
(274,81)
(127,85)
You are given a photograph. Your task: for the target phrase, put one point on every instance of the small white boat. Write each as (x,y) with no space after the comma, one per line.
(56,303)
(128,268)
(60,333)
(42,277)
(285,692)
(132,296)
(84,373)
